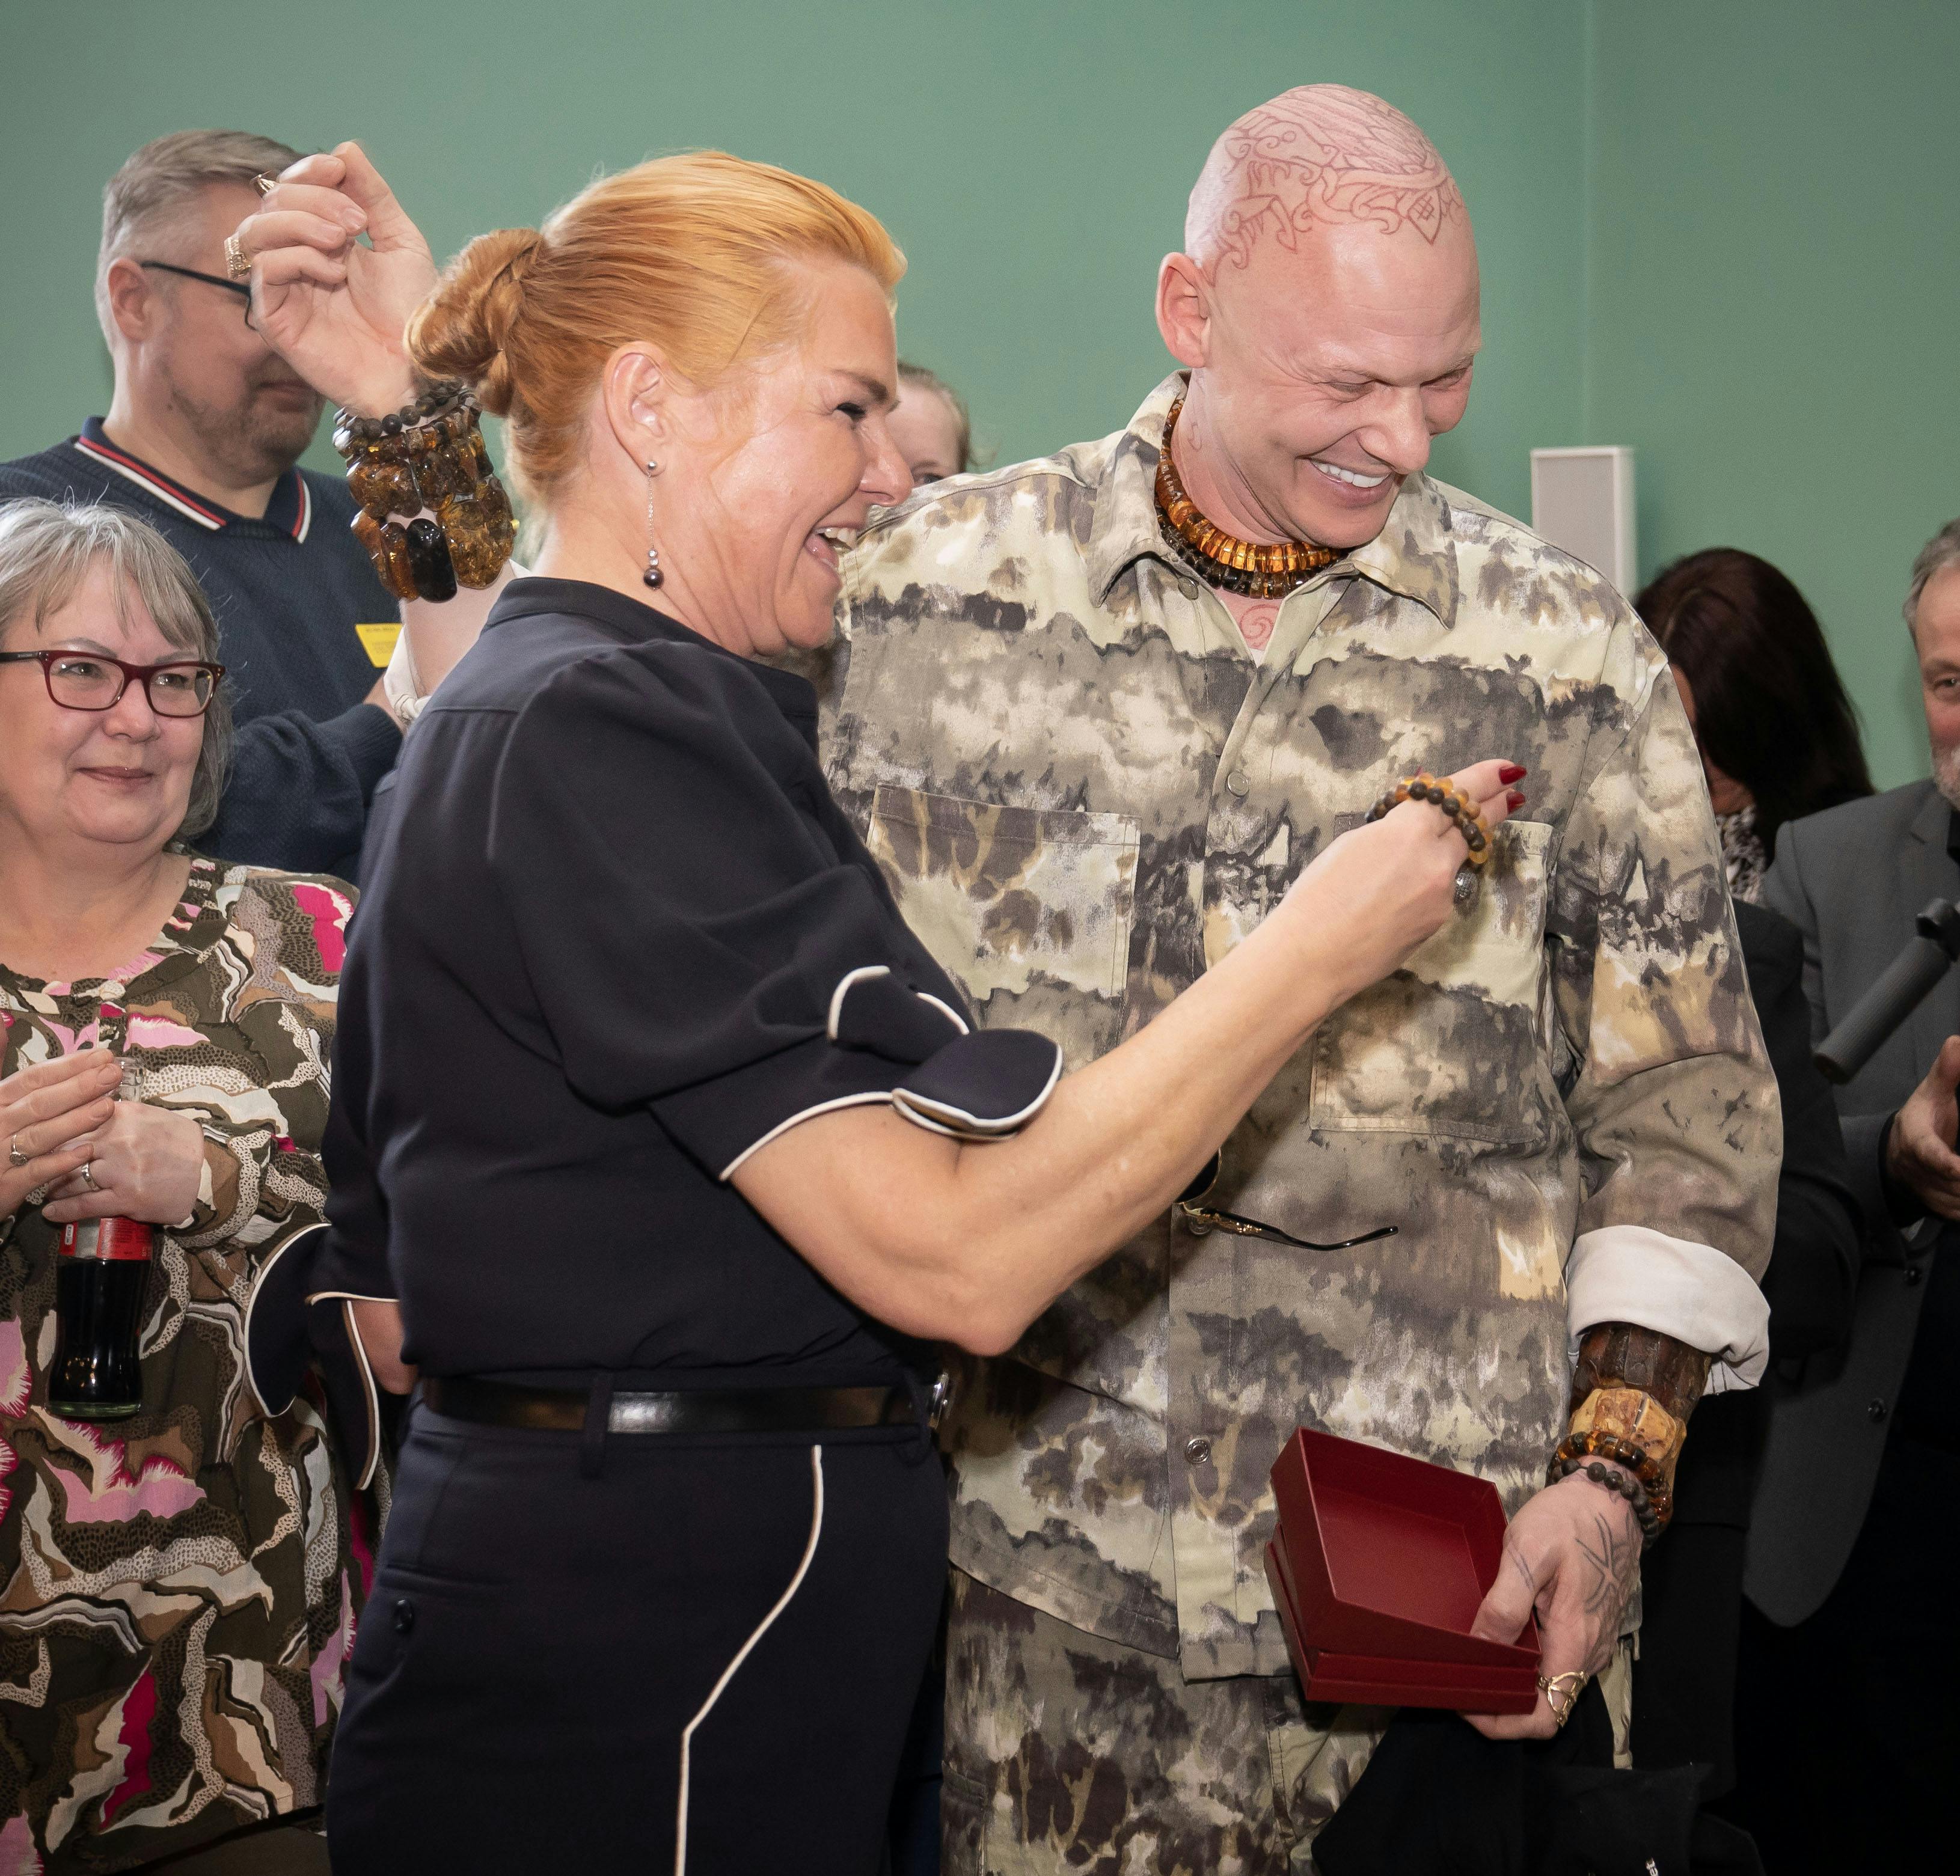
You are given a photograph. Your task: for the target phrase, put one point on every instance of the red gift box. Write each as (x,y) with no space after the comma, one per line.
(1378,1566)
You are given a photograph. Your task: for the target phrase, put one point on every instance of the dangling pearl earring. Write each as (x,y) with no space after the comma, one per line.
(653,576)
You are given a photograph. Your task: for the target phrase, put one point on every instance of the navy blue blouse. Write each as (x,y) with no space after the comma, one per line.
(615,934)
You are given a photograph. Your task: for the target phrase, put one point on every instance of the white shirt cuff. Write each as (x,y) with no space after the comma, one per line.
(1674,1286)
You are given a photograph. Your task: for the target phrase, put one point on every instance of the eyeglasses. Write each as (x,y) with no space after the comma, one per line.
(210,280)
(86,680)
(1201,1219)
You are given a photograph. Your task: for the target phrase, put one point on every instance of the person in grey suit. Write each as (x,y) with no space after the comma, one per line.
(1852,1546)
(1778,740)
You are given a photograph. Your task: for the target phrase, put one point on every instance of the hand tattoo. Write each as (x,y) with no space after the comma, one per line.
(1613,1563)
(1515,1554)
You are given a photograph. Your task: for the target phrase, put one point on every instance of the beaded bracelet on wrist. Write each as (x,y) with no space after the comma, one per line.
(428,455)
(1577,1449)
(1469,818)
(1630,1488)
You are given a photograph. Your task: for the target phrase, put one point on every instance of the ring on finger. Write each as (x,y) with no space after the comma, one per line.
(15,1158)
(237,262)
(88,1176)
(266,183)
(1467,817)
(1562,1692)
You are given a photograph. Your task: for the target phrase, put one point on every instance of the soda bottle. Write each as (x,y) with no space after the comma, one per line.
(100,1279)
(101,1275)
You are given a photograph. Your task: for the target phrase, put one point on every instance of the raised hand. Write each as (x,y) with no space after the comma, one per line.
(1574,1553)
(334,309)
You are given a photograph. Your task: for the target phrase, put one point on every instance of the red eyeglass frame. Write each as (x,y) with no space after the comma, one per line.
(47,661)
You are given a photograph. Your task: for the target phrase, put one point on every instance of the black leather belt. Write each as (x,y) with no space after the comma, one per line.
(731,1410)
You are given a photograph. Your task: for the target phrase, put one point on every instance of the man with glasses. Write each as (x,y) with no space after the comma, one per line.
(202,440)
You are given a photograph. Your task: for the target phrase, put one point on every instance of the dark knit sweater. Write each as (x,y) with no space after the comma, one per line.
(287,590)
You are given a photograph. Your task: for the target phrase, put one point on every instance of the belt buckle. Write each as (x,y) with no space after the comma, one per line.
(940,1398)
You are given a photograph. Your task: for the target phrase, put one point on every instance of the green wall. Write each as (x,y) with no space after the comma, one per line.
(1718,229)
(1773,292)
(1033,159)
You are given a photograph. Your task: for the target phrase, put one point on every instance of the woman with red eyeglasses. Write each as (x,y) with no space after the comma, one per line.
(179,1566)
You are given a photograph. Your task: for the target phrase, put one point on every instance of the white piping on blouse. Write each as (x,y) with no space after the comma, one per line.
(796,1119)
(347,1298)
(945,1010)
(245,1327)
(864,973)
(942,1117)
(742,1655)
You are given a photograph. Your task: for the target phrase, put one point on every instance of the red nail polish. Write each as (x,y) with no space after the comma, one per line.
(1515,799)
(1512,772)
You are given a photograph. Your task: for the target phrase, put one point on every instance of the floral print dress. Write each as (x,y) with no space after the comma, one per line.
(178,1590)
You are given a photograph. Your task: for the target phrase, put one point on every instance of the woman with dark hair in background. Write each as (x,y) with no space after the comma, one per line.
(1779,737)
(1779,740)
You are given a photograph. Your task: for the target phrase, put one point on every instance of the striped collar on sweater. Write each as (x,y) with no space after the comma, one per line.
(290,510)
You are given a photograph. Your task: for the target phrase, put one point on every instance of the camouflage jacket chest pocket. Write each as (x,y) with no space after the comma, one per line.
(1028,910)
(1453,1043)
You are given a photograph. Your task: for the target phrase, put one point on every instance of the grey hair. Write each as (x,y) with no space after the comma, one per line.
(150,191)
(1939,553)
(48,548)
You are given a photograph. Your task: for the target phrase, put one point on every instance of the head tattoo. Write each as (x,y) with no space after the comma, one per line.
(1318,154)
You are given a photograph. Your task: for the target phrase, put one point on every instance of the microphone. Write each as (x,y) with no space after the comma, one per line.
(1894,996)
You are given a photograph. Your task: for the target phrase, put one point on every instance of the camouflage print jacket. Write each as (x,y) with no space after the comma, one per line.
(1084,788)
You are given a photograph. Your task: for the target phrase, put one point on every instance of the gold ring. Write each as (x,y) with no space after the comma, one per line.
(266,183)
(237,263)
(15,1155)
(88,1176)
(1561,1697)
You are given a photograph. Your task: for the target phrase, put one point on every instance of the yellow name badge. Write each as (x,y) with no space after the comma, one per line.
(380,641)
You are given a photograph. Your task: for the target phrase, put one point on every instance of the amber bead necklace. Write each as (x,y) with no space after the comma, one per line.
(1247,568)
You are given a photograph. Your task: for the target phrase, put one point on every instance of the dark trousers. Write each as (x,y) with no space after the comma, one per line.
(715,1643)
(1847,1731)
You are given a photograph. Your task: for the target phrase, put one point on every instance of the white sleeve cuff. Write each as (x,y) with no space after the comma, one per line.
(1691,1291)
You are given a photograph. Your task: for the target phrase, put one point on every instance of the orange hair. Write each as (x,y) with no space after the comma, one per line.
(693,254)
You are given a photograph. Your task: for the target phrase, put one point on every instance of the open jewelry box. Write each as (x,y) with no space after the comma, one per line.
(1378,1565)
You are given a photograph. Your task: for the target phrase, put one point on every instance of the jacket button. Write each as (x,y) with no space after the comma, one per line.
(1198,1450)
(1914,1274)
(1876,1409)
(1188,588)
(404,1615)
(1238,782)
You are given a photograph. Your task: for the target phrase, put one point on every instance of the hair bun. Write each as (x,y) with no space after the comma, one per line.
(461,329)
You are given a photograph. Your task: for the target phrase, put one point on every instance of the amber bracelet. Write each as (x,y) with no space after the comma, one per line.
(1634,1415)
(1469,818)
(1576,1449)
(429,457)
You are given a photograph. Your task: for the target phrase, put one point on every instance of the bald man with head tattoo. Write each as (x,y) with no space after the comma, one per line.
(1094,713)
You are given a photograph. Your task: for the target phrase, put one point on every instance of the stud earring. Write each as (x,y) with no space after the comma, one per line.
(653,576)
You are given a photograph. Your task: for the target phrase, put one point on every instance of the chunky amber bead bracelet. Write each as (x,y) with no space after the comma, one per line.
(1469,819)
(1576,1449)
(427,460)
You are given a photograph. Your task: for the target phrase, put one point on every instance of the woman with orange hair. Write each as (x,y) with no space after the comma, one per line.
(676,1147)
